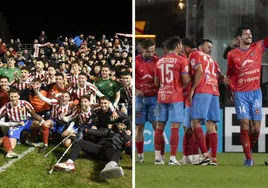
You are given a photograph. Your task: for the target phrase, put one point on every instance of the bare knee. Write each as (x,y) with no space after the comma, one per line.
(140,129)
(244,124)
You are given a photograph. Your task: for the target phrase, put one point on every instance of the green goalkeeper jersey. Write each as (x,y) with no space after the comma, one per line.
(108,88)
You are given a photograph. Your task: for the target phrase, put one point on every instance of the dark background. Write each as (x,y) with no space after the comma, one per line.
(90,17)
(163,19)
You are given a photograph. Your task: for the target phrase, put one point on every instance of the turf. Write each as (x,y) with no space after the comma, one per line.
(230,173)
(32,171)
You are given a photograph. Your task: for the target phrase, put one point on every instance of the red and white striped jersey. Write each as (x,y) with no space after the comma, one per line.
(128,91)
(84,117)
(20,85)
(16,113)
(78,92)
(72,78)
(58,109)
(41,75)
(49,81)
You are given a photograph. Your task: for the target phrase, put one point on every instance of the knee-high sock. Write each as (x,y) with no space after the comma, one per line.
(253,137)
(187,144)
(174,141)
(7,144)
(214,144)
(158,139)
(45,132)
(200,137)
(244,138)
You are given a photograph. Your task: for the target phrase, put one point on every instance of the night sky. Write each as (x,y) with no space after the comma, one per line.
(105,17)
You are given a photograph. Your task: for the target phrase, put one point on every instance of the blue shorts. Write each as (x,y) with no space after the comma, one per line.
(173,112)
(14,132)
(59,127)
(205,107)
(248,104)
(145,109)
(187,117)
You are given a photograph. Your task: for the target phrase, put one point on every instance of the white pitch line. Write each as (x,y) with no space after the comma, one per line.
(9,163)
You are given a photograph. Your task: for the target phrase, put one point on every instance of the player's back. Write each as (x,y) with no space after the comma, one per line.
(168,70)
(209,80)
(246,66)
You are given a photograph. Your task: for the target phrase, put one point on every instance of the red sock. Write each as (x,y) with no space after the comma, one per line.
(45,132)
(174,141)
(194,146)
(186,144)
(163,146)
(200,137)
(7,144)
(158,139)
(253,139)
(213,144)
(244,138)
(139,147)
(207,140)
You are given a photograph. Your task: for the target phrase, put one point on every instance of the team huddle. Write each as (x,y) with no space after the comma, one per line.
(182,87)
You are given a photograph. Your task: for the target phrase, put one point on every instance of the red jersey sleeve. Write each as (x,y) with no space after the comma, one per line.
(184,66)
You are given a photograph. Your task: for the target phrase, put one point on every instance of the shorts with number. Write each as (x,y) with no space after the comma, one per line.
(248,104)
(205,107)
(145,109)
(14,132)
(60,127)
(187,117)
(173,112)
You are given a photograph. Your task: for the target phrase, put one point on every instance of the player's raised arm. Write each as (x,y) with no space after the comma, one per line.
(43,98)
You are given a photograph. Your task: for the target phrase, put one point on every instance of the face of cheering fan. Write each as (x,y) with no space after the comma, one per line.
(65,97)
(14,98)
(104,105)
(82,79)
(24,74)
(85,103)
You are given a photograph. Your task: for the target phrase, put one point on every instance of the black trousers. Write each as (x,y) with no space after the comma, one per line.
(98,152)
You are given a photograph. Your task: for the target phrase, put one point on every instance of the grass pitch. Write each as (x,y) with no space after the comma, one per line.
(230,173)
(32,171)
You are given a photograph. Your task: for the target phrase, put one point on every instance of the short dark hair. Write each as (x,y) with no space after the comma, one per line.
(147,43)
(59,74)
(83,74)
(173,42)
(24,68)
(239,30)
(4,77)
(37,80)
(126,73)
(203,41)
(14,90)
(85,97)
(104,98)
(188,41)
(106,66)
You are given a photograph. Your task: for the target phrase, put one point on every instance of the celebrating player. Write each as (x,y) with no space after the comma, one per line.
(244,71)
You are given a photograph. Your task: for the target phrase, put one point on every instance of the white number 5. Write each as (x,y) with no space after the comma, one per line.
(167,73)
